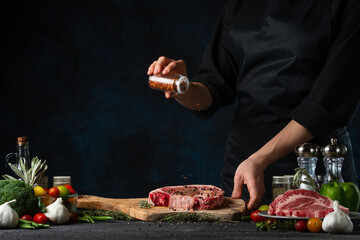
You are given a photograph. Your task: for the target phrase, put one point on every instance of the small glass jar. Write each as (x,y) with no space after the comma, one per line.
(290,180)
(170,83)
(61,181)
(280,185)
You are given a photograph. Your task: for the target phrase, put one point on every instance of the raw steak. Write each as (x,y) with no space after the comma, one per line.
(187,197)
(302,203)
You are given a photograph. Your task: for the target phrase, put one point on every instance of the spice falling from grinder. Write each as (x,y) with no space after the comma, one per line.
(170,83)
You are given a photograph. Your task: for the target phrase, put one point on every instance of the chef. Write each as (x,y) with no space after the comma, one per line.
(294,68)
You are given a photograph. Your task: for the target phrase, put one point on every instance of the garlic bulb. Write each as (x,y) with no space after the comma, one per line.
(57,213)
(8,217)
(337,221)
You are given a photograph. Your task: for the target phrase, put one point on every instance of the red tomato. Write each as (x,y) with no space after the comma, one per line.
(68,186)
(40,218)
(73,217)
(300,226)
(72,191)
(270,221)
(54,192)
(27,217)
(314,225)
(256,217)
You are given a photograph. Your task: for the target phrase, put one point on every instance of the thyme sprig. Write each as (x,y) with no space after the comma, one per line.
(189,217)
(144,204)
(99,212)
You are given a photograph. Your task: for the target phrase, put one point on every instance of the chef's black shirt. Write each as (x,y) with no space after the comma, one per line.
(283,60)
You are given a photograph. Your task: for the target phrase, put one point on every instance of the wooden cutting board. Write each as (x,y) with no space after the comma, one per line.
(232,209)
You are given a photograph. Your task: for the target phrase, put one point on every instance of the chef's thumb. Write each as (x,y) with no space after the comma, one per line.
(237,191)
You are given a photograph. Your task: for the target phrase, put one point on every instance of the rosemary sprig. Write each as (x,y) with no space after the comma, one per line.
(308,180)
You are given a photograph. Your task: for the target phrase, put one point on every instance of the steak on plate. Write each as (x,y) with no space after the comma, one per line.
(302,203)
(187,197)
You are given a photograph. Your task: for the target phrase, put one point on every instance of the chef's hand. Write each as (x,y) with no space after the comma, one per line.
(165,65)
(251,173)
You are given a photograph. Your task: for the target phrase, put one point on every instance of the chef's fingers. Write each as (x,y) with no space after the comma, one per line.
(238,185)
(151,68)
(161,63)
(178,66)
(169,94)
(256,193)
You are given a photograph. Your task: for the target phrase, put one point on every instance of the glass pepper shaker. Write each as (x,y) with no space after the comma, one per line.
(333,160)
(307,158)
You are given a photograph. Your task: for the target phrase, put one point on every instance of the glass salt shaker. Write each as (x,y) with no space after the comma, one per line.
(307,158)
(333,160)
(170,83)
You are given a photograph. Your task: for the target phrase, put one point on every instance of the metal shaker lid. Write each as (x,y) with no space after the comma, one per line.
(334,149)
(307,150)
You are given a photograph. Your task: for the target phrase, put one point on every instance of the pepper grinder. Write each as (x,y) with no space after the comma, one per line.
(307,158)
(333,160)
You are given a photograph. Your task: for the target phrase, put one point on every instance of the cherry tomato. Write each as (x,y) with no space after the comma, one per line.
(27,217)
(54,192)
(270,221)
(72,191)
(40,218)
(68,186)
(73,217)
(300,226)
(256,217)
(314,225)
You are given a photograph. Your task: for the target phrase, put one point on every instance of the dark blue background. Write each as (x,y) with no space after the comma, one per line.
(74,81)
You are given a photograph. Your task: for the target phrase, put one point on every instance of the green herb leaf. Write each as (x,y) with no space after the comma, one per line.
(144,204)
(189,217)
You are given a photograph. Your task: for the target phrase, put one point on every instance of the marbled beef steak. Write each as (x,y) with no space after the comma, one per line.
(187,197)
(302,203)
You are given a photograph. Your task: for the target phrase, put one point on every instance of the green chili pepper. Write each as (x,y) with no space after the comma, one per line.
(347,193)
